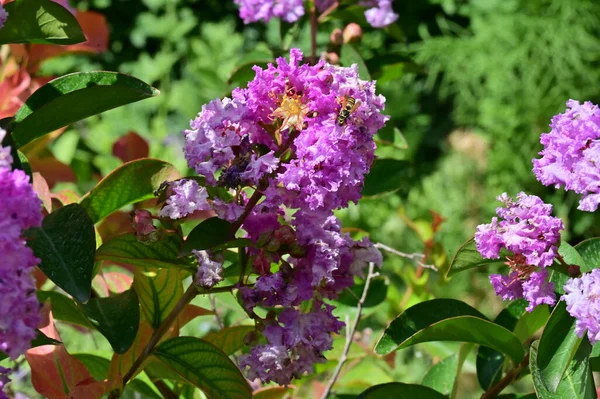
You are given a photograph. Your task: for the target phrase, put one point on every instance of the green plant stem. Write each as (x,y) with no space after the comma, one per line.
(350,333)
(510,376)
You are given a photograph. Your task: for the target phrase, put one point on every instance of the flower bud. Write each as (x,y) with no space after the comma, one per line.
(145,231)
(273,245)
(352,33)
(261,263)
(336,37)
(332,58)
(286,270)
(285,234)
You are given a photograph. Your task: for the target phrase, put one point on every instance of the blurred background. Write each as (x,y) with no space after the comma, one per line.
(470,86)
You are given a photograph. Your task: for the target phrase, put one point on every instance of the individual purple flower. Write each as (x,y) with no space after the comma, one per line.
(264,10)
(3,16)
(507,287)
(582,295)
(185,197)
(381,13)
(537,290)
(527,228)
(572,152)
(210,270)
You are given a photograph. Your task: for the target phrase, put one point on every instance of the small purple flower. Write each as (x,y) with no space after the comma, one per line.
(3,16)
(537,290)
(210,270)
(186,197)
(6,158)
(4,373)
(582,296)
(264,10)
(381,14)
(507,287)
(572,152)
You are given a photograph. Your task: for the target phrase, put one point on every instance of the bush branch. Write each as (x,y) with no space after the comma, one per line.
(416,257)
(510,376)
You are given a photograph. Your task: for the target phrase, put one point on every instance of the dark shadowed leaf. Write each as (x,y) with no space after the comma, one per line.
(66,244)
(64,308)
(116,317)
(398,390)
(377,292)
(208,234)
(74,97)
(133,182)
(205,366)
(386,175)
(447,320)
(40,21)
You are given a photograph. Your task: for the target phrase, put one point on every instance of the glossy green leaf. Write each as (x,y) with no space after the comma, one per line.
(467,257)
(398,390)
(127,249)
(378,288)
(205,366)
(64,308)
(229,339)
(40,340)
(386,175)
(577,382)
(208,234)
(65,245)
(158,290)
(590,253)
(557,346)
(447,320)
(40,21)
(489,361)
(349,55)
(116,317)
(74,97)
(133,182)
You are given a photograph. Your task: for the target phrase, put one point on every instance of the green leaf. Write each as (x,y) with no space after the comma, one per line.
(386,175)
(158,290)
(447,320)
(489,361)
(65,245)
(349,55)
(590,253)
(133,182)
(444,376)
(208,234)
(74,97)
(377,292)
(577,382)
(229,339)
(96,365)
(162,253)
(205,366)
(398,390)
(40,340)
(116,317)
(40,21)
(557,347)
(467,257)
(64,308)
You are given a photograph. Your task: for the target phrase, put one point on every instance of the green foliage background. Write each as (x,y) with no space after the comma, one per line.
(471,84)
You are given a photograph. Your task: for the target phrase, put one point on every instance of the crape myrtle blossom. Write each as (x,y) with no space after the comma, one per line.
(278,139)
(527,229)
(380,14)
(3,16)
(582,296)
(571,153)
(4,372)
(264,10)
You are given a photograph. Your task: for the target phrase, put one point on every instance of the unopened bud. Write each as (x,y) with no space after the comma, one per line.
(141,220)
(332,58)
(574,271)
(273,245)
(286,270)
(352,33)
(285,234)
(261,263)
(251,338)
(336,37)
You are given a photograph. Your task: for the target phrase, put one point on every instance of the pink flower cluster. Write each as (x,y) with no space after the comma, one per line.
(279,138)
(20,210)
(528,230)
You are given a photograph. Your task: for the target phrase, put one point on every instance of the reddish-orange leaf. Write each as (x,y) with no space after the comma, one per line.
(130,147)
(40,186)
(53,170)
(107,283)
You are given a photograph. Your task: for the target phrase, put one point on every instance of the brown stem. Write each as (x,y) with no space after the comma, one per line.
(166,392)
(314,23)
(328,11)
(350,333)
(510,376)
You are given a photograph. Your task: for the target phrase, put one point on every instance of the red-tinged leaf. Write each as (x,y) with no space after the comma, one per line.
(54,170)
(54,372)
(40,186)
(273,392)
(65,197)
(92,389)
(115,224)
(106,283)
(130,147)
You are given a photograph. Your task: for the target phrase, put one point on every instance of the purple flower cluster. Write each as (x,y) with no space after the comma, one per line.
(528,230)
(20,210)
(571,153)
(279,139)
(379,14)
(264,10)
(582,296)
(3,16)
(4,373)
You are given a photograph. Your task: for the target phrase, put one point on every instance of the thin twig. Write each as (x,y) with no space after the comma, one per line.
(328,11)
(350,333)
(314,24)
(510,376)
(416,257)
(213,305)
